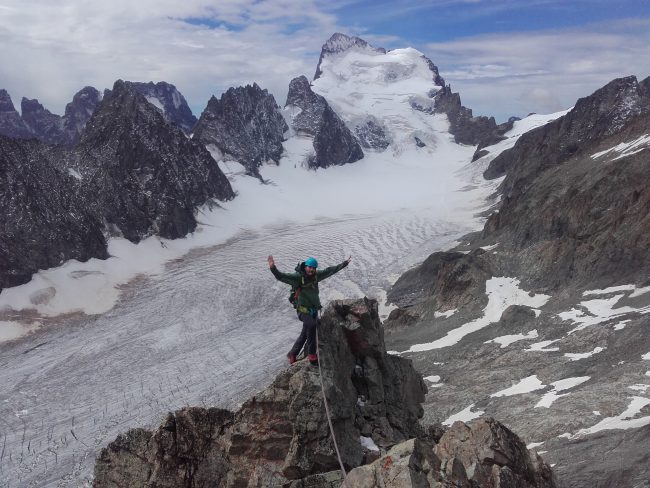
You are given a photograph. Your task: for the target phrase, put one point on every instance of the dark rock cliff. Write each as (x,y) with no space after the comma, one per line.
(78,113)
(11,123)
(581,216)
(467,129)
(280,437)
(39,123)
(141,173)
(132,174)
(45,125)
(43,223)
(334,144)
(245,123)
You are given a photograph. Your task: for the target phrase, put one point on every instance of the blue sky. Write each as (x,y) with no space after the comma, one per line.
(504,57)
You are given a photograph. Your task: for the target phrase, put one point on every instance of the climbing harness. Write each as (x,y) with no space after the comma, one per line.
(327,410)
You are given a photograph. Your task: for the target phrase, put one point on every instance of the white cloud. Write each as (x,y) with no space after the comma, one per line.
(52,49)
(56,49)
(542,71)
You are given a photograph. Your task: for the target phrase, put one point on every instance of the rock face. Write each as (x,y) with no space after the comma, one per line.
(11,123)
(481,455)
(334,144)
(132,174)
(42,221)
(78,113)
(45,125)
(467,129)
(170,101)
(573,224)
(142,175)
(244,123)
(579,206)
(280,437)
(39,123)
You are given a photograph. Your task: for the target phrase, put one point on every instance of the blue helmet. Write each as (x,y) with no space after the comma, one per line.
(311,262)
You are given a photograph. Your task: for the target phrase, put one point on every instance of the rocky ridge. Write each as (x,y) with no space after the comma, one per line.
(39,123)
(11,123)
(43,223)
(481,131)
(280,437)
(132,174)
(246,124)
(333,143)
(572,224)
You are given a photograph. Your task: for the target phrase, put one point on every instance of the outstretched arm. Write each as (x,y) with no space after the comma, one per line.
(288,278)
(327,272)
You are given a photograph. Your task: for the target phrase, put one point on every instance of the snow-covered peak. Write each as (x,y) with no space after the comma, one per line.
(341,43)
(391,90)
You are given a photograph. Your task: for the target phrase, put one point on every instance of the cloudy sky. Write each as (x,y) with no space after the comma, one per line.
(505,57)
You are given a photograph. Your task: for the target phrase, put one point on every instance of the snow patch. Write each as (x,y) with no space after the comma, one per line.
(598,311)
(625,420)
(156,103)
(502,292)
(560,385)
(531,383)
(626,148)
(464,415)
(368,443)
(578,356)
(433,378)
(74,173)
(506,340)
(446,314)
(542,346)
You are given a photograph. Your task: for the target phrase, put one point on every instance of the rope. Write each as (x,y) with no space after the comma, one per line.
(327,409)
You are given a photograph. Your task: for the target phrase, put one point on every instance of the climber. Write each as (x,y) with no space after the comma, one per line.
(304,297)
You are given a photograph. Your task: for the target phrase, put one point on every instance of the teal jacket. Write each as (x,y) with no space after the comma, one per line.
(308,298)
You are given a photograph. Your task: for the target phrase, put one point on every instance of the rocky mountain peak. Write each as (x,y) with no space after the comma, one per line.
(437,79)
(148,175)
(6,105)
(340,43)
(47,126)
(11,123)
(334,143)
(169,101)
(245,123)
(79,111)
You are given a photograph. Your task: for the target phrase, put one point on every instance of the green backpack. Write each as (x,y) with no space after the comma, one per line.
(295,290)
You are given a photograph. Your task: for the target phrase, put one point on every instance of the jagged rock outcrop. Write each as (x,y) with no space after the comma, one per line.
(78,113)
(481,455)
(445,280)
(140,173)
(45,125)
(245,123)
(579,207)
(371,135)
(339,43)
(280,437)
(467,129)
(282,434)
(39,123)
(170,101)
(11,123)
(334,144)
(43,223)
(132,174)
